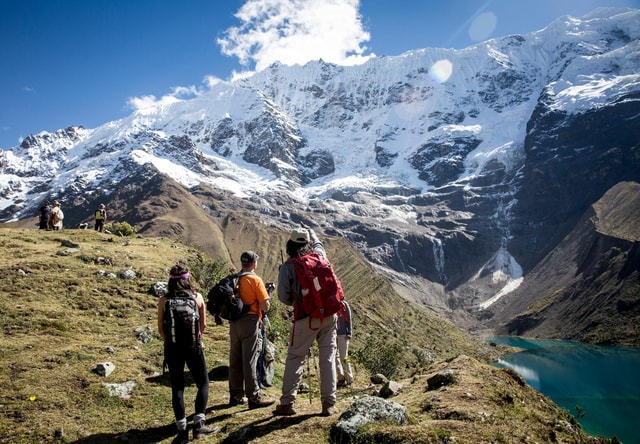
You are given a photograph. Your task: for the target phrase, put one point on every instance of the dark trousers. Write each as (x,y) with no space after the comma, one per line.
(99,224)
(176,356)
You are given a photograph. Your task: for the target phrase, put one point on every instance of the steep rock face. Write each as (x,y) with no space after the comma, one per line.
(570,161)
(588,287)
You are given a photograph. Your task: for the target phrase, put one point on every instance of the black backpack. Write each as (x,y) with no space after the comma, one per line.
(223,299)
(181,318)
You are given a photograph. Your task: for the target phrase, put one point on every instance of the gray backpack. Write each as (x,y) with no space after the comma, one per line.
(181,318)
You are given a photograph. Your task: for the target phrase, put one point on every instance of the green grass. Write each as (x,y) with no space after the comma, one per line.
(60,315)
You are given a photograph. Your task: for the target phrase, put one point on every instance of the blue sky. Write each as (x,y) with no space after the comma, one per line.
(88,62)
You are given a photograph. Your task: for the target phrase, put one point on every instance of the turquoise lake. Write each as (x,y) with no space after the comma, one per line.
(603,381)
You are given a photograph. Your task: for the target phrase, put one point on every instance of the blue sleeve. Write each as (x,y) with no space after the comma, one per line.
(348,313)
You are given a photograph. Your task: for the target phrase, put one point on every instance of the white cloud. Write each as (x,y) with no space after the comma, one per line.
(297,31)
(149,102)
(184,92)
(178,93)
(211,81)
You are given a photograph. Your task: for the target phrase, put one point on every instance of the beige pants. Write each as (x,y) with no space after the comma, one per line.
(343,367)
(302,336)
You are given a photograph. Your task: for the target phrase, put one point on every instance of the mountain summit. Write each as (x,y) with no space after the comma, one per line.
(456,169)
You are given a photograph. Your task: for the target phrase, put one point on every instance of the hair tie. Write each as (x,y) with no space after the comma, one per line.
(180,276)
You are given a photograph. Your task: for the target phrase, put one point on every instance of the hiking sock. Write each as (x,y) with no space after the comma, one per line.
(198,417)
(181,424)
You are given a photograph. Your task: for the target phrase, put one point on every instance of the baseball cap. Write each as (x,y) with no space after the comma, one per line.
(300,235)
(249,257)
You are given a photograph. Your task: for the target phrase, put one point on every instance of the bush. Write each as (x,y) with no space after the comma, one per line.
(122,229)
(379,355)
(279,324)
(207,272)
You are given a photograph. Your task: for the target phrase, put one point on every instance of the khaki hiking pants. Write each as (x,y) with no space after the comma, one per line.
(303,336)
(343,366)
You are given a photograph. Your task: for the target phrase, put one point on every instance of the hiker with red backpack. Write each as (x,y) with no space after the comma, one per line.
(307,282)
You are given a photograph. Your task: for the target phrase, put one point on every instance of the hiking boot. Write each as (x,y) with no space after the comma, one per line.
(328,410)
(200,430)
(260,401)
(284,410)
(181,438)
(237,400)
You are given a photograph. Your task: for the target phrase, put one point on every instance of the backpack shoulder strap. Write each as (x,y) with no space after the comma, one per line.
(181,294)
(236,278)
(245,273)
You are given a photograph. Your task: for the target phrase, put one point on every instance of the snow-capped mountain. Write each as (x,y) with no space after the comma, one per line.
(461,167)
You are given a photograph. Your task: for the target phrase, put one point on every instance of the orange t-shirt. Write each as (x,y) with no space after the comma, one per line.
(252,291)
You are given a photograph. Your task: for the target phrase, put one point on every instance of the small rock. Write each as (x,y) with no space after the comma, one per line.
(444,378)
(67,252)
(364,411)
(104,368)
(122,390)
(128,274)
(143,337)
(159,289)
(379,378)
(391,388)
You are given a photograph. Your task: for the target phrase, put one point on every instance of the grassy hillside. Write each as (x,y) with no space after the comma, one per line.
(61,313)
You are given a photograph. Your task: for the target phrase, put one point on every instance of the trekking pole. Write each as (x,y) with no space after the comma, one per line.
(315,366)
(309,373)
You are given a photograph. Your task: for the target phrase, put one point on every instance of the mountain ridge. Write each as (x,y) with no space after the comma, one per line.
(458,171)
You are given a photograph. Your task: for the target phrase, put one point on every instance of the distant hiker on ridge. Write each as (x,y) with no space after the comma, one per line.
(101,217)
(44,214)
(56,216)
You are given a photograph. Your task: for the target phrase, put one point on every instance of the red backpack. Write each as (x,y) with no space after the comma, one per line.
(321,289)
